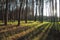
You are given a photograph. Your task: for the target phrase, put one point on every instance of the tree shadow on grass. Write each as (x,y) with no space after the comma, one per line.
(53,34)
(1,24)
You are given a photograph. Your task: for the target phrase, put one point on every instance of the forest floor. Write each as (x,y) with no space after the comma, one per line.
(31,31)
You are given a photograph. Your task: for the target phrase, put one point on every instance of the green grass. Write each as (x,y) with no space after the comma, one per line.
(25,32)
(32,24)
(4,28)
(56,26)
(16,22)
(29,24)
(42,33)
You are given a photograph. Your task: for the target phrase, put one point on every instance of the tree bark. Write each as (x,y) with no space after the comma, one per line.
(26,11)
(42,6)
(33,9)
(6,13)
(36,10)
(19,13)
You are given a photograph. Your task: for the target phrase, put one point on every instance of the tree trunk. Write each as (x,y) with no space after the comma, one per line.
(19,13)
(26,11)
(56,19)
(6,13)
(39,8)
(36,11)
(53,18)
(59,10)
(33,9)
(42,6)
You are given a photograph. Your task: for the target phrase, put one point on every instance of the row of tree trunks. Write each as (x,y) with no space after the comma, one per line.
(41,3)
(54,11)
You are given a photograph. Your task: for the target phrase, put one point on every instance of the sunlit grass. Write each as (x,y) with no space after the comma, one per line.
(25,32)
(30,24)
(59,22)
(42,33)
(22,22)
(58,27)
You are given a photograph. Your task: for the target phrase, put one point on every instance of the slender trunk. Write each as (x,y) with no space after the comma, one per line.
(39,8)
(36,11)
(22,14)
(56,11)
(26,11)
(42,6)
(50,11)
(6,13)
(13,15)
(53,11)
(2,12)
(19,13)
(33,9)
(59,10)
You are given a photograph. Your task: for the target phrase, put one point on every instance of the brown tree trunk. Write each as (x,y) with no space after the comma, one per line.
(6,13)
(59,10)
(26,11)
(33,9)
(39,8)
(19,13)
(42,6)
(36,10)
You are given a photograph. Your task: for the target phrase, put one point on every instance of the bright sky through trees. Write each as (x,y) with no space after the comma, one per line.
(47,9)
(58,7)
